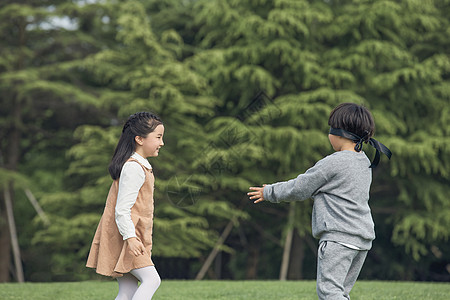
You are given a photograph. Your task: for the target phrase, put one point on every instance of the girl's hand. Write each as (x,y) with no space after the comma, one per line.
(136,246)
(257,195)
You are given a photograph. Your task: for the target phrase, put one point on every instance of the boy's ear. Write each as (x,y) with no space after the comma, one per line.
(138,140)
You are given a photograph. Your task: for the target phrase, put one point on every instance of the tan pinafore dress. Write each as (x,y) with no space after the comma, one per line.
(109,253)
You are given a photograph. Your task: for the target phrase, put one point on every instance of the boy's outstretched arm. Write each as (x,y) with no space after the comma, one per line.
(257,195)
(297,189)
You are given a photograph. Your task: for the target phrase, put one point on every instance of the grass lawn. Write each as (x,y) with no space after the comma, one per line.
(233,290)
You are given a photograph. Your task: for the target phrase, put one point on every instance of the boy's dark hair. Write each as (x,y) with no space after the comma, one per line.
(138,124)
(353,118)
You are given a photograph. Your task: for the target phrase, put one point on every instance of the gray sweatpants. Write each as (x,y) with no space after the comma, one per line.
(338,268)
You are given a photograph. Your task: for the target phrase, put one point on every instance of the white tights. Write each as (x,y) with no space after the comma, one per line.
(128,284)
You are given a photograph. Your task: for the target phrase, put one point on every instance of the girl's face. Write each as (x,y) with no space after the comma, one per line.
(150,145)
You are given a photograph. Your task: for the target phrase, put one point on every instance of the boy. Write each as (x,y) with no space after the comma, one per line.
(339,185)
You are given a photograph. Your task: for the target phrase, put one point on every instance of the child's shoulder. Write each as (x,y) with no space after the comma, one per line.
(343,163)
(344,157)
(132,166)
(335,156)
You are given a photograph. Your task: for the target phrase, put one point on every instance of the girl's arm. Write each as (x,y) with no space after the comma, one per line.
(135,246)
(131,179)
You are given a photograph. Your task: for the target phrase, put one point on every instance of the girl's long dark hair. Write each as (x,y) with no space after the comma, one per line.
(138,124)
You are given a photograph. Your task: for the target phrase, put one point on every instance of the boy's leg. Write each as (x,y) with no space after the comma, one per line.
(354,270)
(333,263)
(128,285)
(150,282)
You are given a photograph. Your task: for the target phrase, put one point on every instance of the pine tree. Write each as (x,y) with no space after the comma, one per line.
(377,53)
(253,46)
(41,102)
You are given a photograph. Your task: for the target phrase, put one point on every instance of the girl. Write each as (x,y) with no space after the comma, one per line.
(123,241)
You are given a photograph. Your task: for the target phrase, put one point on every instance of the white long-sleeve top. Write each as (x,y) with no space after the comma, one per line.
(132,177)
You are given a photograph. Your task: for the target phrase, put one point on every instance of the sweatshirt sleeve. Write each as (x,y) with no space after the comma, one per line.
(298,189)
(131,179)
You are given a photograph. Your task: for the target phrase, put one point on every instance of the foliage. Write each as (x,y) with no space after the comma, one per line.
(42,102)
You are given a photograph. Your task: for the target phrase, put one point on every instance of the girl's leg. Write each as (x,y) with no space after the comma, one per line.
(150,282)
(128,285)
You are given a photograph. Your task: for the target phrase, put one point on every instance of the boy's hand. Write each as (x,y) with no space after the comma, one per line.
(136,246)
(257,195)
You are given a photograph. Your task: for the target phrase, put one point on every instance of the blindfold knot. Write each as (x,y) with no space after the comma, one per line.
(379,147)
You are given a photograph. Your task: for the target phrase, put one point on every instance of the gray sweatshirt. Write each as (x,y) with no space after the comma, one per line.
(339,185)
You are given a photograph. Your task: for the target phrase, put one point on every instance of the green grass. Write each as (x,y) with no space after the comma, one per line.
(234,290)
